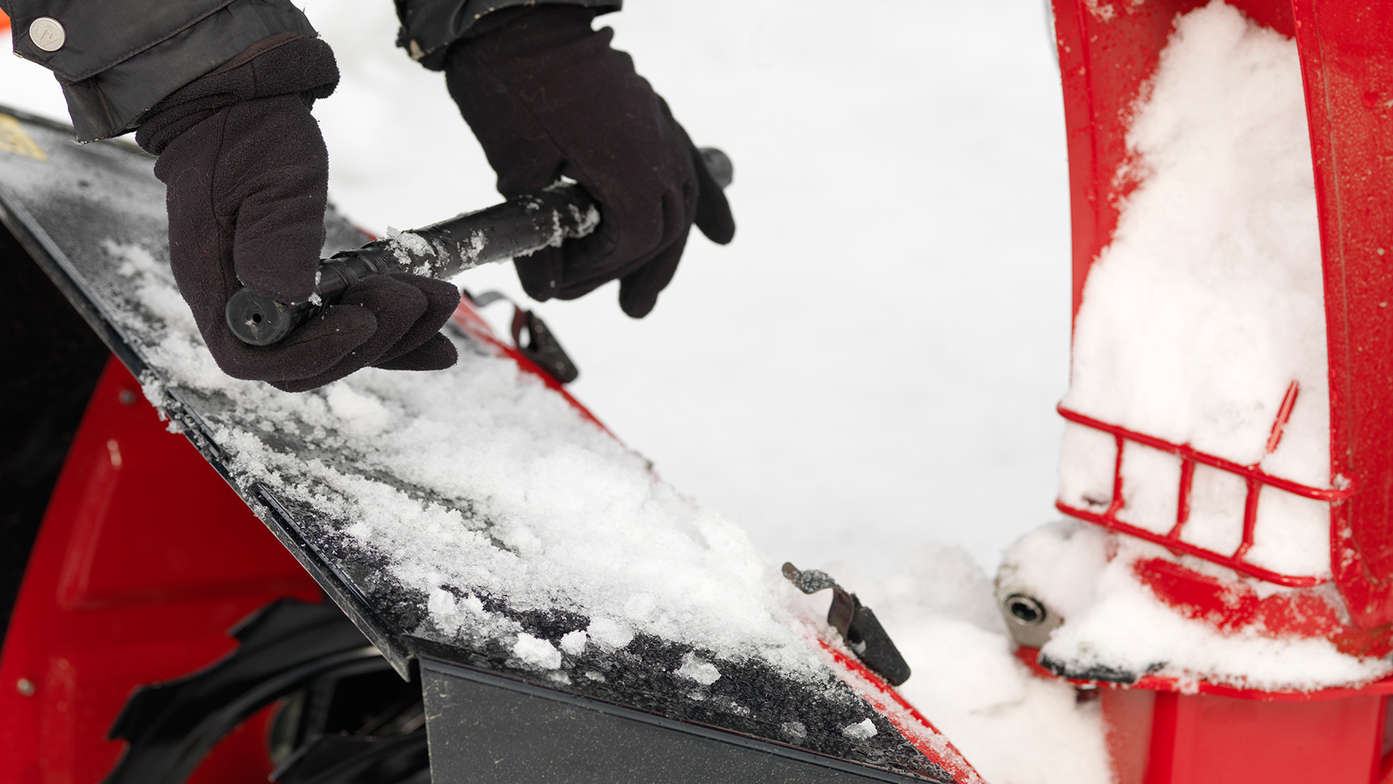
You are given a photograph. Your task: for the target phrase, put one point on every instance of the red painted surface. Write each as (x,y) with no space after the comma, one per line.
(1347,62)
(4,22)
(1171,738)
(146,558)
(1234,607)
(903,716)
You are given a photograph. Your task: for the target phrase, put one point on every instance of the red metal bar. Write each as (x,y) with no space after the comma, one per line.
(1253,476)
(1187,452)
(1289,580)
(1250,518)
(1283,416)
(1182,501)
(1117,500)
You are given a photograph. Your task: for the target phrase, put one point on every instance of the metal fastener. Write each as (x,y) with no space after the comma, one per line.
(26,687)
(1025,609)
(47,34)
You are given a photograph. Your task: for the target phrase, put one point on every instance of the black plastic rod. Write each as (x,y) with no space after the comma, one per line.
(517,227)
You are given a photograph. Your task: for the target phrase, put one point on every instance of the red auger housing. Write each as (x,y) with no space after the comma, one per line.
(1158,733)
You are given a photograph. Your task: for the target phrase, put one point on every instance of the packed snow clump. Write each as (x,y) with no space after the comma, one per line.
(863,730)
(695,668)
(536,653)
(1207,307)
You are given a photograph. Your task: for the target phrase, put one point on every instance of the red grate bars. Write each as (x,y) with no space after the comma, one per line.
(1255,478)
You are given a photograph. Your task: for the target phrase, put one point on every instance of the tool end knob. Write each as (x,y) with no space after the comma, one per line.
(258,320)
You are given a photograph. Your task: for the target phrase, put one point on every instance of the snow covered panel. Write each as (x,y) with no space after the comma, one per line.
(472,515)
(1207,305)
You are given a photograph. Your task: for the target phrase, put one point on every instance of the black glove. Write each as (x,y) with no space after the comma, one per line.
(548,98)
(247,175)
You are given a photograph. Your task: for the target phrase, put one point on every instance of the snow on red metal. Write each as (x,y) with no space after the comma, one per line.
(1030,658)
(1253,476)
(468,319)
(903,716)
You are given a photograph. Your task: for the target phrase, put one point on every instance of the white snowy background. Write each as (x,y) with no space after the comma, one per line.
(873,363)
(865,379)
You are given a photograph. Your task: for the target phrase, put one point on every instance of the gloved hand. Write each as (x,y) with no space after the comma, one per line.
(547,97)
(247,176)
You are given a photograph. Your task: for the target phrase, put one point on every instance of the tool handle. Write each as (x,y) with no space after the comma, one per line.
(517,227)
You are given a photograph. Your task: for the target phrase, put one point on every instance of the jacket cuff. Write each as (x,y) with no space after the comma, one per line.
(428,27)
(285,64)
(112,101)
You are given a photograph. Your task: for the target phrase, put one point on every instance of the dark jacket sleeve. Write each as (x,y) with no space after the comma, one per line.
(117,58)
(428,27)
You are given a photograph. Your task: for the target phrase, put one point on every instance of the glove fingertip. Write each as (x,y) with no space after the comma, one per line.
(721,233)
(437,353)
(714,218)
(638,295)
(637,306)
(540,273)
(442,297)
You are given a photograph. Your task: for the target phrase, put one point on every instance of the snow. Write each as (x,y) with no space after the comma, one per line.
(1057,564)
(867,373)
(573,643)
(696,669)
(537,653)
(1208,303)
(863,730)
(575,518)
(609,632)
(841,393)
(1086,578)
(1128,628)
(1013,727)
(838,348)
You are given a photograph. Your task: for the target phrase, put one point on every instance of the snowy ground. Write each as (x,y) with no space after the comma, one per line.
(865,379)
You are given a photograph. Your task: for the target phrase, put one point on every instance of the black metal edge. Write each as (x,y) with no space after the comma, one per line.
(45,253)
(340,591)
(430,663)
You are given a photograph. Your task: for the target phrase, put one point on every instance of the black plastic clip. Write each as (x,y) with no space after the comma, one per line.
(533,338)
(542,347)
(856,623)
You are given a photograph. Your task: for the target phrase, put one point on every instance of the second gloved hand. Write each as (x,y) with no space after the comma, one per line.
(247,176)
(549,98)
